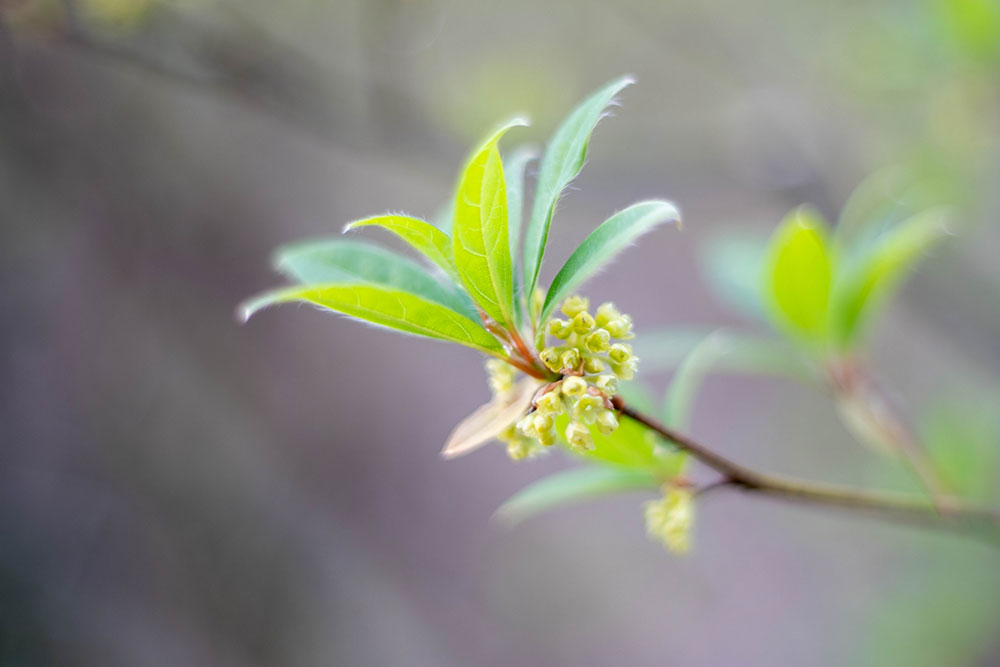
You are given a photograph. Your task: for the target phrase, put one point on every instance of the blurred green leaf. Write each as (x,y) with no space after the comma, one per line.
(632,445)
(974,25)
(561,163)
(610,238)
(392,308)
(963,440)
(687,381)
(866,282)
(482,245)
(798,275)
(347,261)
(422,235)
(733,267)
(666,349)
(572,485)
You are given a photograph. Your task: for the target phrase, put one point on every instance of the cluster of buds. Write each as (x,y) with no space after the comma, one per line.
(669,519)
(585,405)
(587,346)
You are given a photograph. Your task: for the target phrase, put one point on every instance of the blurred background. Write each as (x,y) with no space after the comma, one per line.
(178,490)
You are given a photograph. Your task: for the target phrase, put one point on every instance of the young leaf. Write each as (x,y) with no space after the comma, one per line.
(869,281)
(798,275)
(348,261)
(422,235)
(604,243)
(482,247)
(571,485)
(392,308)
(562,162)
(746,354)
(514,168)
(489,420)
(733,267)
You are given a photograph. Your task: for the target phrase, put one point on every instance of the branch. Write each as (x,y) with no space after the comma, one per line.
(954,515)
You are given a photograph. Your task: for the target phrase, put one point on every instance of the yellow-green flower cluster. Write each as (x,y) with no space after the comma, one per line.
(587,341)
(669,519)
(584,403)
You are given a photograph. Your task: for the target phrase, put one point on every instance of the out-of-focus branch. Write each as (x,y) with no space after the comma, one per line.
(977,521)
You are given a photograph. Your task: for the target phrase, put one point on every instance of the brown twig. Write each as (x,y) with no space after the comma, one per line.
(975,520)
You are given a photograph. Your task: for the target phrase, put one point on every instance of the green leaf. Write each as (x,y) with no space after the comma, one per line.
(562,162)
(514,171)
(798,275)
(348,261)
(866,283)
(603,244)
(392,308)
(482,245)
(631,445)
(733,267)
(422,235)
(962,437)
(572,485)
(747,354)
(687,381)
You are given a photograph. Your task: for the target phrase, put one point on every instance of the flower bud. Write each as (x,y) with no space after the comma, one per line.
(550,403)
(588,407)
(574,305)
(550,357)
(547,438)
(559,328)
(619,353)
(598,341)
(620,327)
(607,422)
(570,358)
(669,519)
(578,435)
(627,370)
(542,422)
(606,313)
(607,383)
(501,376)
(574,386)
(593,365)
(583,322)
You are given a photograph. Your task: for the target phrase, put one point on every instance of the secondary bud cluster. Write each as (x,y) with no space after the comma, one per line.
(588,345)
(669,519)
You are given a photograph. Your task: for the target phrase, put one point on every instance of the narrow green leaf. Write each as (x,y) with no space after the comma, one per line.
(562,162)
(961,435)
(868,282)
(733,267)
(798,275)
(631,445)
(349,261)
(422,235)
(514,172)
(613,235)
(482,245)
(572,485)
(392,308)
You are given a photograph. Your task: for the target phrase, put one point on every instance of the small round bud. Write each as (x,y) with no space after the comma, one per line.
(574,386)
(550,357)
(501,376)
(550,403)
(559,328)
(583,322)
(526,427)
(578,435)
(607,422)
(547,438)
(598,341)
(620,327)
(570,358)
(619,353)
(588,408)
(606,313)
(607,383)
(542,423)
(627,370)
(574,305)
(593,365)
